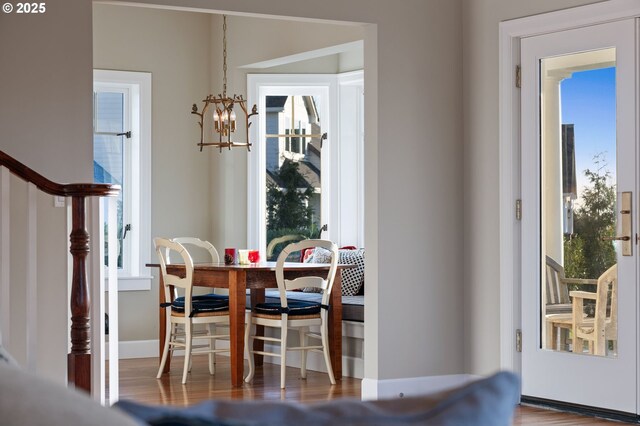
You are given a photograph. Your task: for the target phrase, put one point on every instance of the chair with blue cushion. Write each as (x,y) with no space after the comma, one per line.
(188,310)
(217,293)
(300,315)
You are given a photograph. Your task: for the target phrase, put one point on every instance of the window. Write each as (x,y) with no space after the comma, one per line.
(306,143)
(122,155)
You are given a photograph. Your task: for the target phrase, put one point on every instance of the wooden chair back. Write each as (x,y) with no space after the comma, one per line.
(164,247)
(556,291)
(606,323)
(205,245)
(324,283)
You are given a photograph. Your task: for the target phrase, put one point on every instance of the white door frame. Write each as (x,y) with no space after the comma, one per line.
(509,149)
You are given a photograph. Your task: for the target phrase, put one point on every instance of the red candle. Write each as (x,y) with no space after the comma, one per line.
(254,256)
(230,256)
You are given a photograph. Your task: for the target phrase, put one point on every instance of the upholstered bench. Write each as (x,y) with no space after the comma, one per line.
(352,306)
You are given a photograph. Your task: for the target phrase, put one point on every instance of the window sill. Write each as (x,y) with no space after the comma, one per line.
(137,283)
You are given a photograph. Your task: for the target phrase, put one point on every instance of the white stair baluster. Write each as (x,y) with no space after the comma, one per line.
(5,239)
(31,309)
(95,224)
(114,372)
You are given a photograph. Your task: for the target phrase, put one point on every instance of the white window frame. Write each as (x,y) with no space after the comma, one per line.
(351,173)
(340,160)
(137,89)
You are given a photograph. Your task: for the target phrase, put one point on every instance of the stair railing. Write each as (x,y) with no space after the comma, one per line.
(79,358)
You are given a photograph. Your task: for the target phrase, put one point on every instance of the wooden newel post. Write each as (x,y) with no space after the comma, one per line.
(79,360)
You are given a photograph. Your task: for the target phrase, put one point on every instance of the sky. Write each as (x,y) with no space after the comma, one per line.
(589,103)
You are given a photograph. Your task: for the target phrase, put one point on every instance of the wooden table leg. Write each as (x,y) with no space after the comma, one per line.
(257,296)
(335,327)
(162,327)
(237,304)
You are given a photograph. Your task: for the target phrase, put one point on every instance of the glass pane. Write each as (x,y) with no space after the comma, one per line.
(109,112)
(108,153)
(578,202)
(293,165)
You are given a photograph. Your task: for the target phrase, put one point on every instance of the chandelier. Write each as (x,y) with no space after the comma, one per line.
(224,117)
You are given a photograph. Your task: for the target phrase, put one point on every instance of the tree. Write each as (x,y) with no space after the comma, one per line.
(586,255)
(287,206)
(288,211)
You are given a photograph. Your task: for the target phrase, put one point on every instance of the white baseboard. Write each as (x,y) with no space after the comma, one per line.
(351,366)
(373,389)
(136,349)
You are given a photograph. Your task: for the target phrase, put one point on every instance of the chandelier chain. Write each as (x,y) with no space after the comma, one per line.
(224,56)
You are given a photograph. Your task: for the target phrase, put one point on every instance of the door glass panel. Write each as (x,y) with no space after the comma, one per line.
(578,203)
(293,162)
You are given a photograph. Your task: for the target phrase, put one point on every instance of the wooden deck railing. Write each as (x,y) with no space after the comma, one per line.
(79,358)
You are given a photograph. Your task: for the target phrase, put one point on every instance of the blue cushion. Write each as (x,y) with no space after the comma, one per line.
(211,296)
(295,307)
(486,402)
(200,304)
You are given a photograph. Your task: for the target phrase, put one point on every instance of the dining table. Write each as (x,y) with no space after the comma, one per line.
(255,278)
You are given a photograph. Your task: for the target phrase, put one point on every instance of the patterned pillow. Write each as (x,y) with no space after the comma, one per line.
(353,278)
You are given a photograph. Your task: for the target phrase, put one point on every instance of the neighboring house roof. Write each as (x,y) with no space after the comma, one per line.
(313,149)
(272,179)
(310,173)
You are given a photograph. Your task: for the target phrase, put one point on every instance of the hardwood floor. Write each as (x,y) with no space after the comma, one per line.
(138,383)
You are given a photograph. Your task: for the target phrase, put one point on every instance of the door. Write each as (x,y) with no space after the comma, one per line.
(579,209)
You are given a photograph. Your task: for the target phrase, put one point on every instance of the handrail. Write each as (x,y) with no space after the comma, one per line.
(79,359)
(53,188)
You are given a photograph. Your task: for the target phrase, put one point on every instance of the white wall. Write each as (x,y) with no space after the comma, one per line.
(45,120)
(174,47)
(480,166)
(413,74)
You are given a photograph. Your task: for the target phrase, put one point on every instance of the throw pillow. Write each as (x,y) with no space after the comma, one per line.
(352,278)
(489,401)
(26,399)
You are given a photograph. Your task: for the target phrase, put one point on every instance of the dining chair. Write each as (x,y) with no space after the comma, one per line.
(206,245)
(558,310)
(187,310)
(292,314)
(216,293)
(603,326)
(214,257)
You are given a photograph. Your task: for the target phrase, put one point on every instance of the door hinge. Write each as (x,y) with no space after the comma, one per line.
(518,77)
(518,209)
(518,340)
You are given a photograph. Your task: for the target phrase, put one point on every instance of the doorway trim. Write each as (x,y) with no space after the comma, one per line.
(510,34)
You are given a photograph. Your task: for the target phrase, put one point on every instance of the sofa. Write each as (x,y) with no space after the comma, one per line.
(26,399)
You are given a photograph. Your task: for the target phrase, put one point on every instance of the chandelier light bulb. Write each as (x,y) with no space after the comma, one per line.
(216,120)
